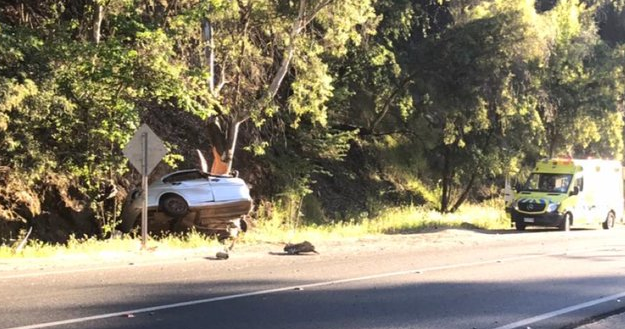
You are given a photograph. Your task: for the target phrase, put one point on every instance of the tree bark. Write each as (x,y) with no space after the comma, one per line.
(553,141)
(207,38)
(288,56)
(464,195)
(233,134)
(446,180)
(97,22)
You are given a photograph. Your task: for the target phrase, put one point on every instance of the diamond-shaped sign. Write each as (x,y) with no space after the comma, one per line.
(135,152)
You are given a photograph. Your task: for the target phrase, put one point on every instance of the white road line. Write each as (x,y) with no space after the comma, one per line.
(299,287)
(563,311)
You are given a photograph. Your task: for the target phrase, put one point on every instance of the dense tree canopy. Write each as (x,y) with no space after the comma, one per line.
(422,101)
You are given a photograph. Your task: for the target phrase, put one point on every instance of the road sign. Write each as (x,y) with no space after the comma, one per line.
(134,151)
(144,151)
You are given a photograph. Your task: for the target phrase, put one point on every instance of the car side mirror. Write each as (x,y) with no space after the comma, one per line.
(575,191)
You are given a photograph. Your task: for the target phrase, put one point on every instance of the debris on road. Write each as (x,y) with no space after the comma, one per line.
(298,248)
(222,255)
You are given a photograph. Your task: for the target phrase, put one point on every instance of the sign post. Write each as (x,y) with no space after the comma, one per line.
(144,187)
(144,151)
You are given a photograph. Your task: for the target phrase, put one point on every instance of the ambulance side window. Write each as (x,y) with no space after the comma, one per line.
(579,183)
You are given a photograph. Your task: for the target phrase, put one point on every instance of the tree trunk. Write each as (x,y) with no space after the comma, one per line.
(552,142)
(288,56)
(97,22)
(233,134)
(446,180)
(207,38)
(23,15)
(464,195)
(234,121)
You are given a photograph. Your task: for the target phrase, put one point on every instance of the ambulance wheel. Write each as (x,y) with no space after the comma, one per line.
(609,221)
(566,223)
(520,226)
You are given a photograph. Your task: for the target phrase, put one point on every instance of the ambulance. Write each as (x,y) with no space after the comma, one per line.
(570,192)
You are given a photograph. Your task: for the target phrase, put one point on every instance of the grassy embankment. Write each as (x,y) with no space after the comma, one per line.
(393,221)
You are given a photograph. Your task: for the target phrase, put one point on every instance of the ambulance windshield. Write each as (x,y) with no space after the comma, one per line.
(550,183)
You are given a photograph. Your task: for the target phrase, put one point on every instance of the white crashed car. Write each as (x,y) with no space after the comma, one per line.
(176,194)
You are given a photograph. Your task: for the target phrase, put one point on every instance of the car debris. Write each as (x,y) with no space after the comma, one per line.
(298,248)
(222,255)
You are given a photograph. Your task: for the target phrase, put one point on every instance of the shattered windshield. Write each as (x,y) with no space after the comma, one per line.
(550,183)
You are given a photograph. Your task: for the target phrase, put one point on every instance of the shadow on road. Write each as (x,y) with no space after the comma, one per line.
(416,303)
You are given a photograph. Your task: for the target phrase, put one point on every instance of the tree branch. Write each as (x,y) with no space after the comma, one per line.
(362,131)
(464,195)
(315,12)
(391,98)
(245,21)
(286,60)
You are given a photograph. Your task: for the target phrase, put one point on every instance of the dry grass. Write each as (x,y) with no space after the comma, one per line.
(109,247)
(275,230)
(393,221)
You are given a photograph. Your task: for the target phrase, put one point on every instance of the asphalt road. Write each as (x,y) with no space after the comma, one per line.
(451,279)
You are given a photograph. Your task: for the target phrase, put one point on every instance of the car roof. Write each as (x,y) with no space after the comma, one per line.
(177,172)
(185,171)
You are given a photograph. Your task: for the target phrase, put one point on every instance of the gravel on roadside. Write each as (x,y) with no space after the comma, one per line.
(615,321)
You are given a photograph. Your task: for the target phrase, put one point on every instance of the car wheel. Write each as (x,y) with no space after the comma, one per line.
(520,226)
(174,205)
(566,223)
(609,221)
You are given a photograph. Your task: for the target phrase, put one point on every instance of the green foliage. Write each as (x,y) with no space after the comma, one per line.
(312,210)
(311,89)
(577,88)
(445,96)
(498,85)
(93,93)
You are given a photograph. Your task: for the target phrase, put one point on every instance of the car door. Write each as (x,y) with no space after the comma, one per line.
(192,185)
(197,191)
(583,203)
